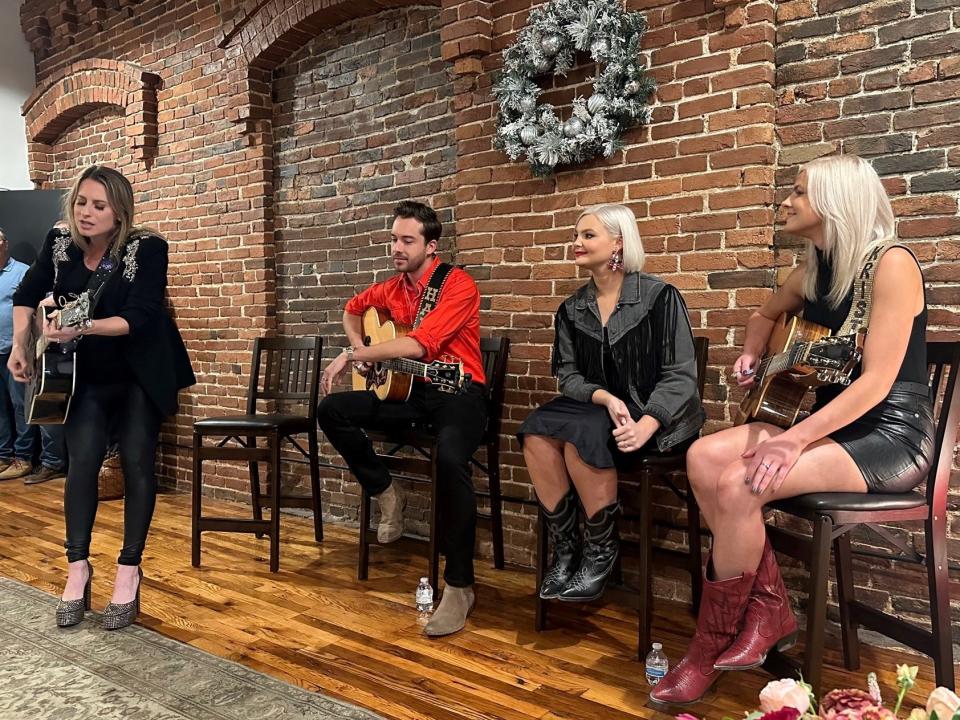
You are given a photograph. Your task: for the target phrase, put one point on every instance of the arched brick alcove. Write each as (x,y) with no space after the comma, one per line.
(86,87)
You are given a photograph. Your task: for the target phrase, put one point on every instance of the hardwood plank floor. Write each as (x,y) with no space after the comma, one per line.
(313,624)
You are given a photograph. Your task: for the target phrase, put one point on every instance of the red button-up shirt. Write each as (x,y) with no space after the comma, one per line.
(452,328)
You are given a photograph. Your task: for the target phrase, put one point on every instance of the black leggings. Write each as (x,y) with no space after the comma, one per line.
(98,413)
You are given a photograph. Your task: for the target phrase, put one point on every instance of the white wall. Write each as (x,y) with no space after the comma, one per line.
(17,80)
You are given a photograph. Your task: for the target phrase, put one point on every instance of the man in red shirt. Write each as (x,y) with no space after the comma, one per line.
(452,328)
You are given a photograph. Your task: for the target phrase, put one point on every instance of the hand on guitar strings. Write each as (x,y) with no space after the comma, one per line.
(770,463)
(53,331)
(744,369)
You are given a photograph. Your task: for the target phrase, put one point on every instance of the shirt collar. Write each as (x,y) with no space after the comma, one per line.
(424,279)
(8,265)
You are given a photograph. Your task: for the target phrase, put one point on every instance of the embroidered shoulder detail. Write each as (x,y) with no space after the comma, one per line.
(60,245)
(130,258)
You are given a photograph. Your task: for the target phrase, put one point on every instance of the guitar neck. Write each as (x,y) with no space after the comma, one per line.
(773,364)
(405,365)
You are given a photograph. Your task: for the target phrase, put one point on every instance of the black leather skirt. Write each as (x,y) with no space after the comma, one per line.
(892,443)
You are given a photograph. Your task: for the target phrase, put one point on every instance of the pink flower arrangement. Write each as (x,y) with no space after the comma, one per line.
(792,700)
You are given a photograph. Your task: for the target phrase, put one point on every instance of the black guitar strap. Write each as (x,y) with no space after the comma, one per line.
(431,293)
(105,270)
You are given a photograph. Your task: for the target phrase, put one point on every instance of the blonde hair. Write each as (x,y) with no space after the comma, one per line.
(620,222)
(119,198)
(846,193)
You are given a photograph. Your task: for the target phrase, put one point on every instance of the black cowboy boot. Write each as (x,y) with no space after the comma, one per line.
(563,530)
(601,545)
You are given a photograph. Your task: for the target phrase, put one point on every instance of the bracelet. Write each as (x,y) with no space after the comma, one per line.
(85,325)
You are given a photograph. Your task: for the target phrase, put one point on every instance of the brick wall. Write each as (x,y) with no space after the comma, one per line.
(233,117)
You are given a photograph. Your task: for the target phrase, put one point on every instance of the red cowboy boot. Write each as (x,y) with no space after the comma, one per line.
(721,614)
(768,621)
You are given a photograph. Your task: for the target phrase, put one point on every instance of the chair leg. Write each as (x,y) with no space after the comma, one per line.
(938,582)
(255,484)
(845,596)
(496,506)
(645,540)
(817,607)
(314,450)
(195,511)
(275,502)
(436,522)
(540,622)
(695,550)
(363,560)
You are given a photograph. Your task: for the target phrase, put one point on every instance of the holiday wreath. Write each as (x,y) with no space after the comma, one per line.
(549,43)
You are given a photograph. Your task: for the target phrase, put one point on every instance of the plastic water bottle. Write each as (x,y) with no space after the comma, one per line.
(657,664)
(424,601)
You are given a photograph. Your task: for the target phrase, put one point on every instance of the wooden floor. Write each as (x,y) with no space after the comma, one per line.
(316,626)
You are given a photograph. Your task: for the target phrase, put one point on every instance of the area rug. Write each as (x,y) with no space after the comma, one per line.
(48,673)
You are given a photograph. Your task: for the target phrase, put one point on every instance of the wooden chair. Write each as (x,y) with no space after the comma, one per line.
(642,474)
(835,515)
(422,469)
(291,374)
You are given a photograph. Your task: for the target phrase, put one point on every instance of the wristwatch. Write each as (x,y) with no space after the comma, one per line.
(86,324)
(349,351)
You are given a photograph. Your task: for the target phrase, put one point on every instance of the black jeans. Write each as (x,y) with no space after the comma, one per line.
(459,421)
(95,412)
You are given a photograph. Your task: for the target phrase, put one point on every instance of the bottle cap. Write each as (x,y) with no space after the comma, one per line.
(657,646)
(423,579)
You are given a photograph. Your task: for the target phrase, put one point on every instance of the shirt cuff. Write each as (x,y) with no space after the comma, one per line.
(658,413)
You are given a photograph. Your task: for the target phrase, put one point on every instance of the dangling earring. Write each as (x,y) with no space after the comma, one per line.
(616,260)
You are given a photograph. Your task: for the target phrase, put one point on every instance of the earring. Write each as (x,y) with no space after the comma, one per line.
(616,260)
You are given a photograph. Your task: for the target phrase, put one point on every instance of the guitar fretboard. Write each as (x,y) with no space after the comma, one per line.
(405,365)
(774,364)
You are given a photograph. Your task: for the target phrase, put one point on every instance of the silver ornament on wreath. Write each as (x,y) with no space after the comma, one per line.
(596,103)
(542,65)
(550,44)
(631,88)
(529,134)
(528,104)
(573,127)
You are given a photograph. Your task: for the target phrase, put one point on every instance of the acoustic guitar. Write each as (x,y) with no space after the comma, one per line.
(393,379)
(51,386)
(800,355)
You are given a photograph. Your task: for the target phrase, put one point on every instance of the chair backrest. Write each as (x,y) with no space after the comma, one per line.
(943,363)
(285,369)
(494,352)
(701,346)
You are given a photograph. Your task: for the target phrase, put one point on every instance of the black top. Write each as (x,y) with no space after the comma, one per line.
(914,366)
(153,354)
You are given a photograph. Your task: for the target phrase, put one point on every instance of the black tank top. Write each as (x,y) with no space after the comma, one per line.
(914,366)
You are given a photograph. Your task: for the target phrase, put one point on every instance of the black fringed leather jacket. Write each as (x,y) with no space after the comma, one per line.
(650,345)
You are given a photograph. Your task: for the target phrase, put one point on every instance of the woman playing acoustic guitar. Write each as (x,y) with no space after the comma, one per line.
(130,362)
(875,435)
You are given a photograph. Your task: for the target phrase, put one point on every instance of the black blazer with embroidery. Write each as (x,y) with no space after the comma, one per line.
(153,354)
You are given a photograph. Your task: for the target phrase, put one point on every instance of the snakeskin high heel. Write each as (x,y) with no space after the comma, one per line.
(71,612)
(120,615)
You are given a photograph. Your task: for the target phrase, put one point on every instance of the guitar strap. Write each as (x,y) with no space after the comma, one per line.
(859,316)
(431,293)
(105,270)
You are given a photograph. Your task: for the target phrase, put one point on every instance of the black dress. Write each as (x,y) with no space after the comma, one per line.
(892,443)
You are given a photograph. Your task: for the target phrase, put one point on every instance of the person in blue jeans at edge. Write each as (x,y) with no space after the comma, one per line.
(17,439)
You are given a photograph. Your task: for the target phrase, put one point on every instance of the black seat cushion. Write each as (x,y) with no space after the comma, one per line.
(861,502)
(237,424)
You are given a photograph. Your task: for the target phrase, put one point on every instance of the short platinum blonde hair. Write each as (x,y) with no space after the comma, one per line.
(620,222)
(846,193)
